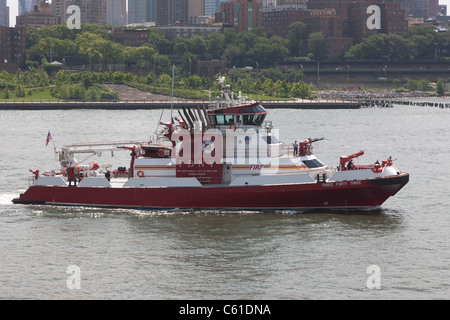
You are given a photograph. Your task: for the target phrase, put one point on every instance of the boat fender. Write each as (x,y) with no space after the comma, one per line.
(160,153)
(140,173)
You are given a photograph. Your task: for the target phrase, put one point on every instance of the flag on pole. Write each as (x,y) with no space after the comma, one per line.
(49,137)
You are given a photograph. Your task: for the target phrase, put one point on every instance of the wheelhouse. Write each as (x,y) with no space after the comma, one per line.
(252,115)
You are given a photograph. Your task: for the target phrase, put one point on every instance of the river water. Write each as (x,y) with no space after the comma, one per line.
(399,251)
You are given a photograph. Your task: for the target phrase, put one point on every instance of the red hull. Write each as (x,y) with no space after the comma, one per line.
(366,193)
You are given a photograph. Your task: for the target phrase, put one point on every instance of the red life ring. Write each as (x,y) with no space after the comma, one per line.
(140,173)
(160,153)
(232,127)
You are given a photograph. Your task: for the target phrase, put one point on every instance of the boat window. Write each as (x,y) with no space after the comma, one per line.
(270,139)
(238,119)
(248,119)
(229,119)
(253,119)
(259,119)
(314,163)
(220,119)
(212,119)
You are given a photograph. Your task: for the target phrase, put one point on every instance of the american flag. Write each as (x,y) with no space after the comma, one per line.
(49,137)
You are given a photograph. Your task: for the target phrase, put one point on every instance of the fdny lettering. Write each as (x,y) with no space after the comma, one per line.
(256,167)
(191,164)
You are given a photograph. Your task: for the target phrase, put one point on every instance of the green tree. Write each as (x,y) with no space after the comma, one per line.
(297,34)
(413,85)
(197,45)
(424,40)
(6,94)
(440,88)
(301,90)
(20,91)
(216,44)
(316,44)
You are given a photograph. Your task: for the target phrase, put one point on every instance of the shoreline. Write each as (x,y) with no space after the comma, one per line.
(372,94)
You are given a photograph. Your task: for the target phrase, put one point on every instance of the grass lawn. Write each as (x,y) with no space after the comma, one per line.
(36,95)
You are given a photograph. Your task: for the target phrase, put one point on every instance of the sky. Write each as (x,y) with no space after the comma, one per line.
(14,7)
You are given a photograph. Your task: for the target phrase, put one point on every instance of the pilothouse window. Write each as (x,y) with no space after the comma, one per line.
(229,119)
(253,119)
(220,119)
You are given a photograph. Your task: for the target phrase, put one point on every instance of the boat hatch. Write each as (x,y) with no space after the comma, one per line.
(313,163)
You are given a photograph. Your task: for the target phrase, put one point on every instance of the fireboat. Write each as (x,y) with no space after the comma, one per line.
(225,155)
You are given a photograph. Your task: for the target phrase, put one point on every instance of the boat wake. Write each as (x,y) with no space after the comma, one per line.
(6,198)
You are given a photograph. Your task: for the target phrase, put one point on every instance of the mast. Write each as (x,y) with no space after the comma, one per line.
(171,100)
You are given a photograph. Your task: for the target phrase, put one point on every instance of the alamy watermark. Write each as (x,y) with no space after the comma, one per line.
(374,280)
(74,279)
(74,20)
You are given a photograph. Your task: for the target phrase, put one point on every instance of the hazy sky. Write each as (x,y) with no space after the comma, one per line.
(14,5)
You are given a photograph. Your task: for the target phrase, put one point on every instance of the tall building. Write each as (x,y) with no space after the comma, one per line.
(92,11)
(172,12)
(243,15)
(116,12)
(196,9)
(212,6)
(12,48)
(425,9)
(26,5)
(141,11)
(40,16)
(391,18)
(4,14)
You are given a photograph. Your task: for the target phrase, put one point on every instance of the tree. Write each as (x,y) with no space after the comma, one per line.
(216,44)
(296,36)
(301,90)
(399,47)
(424,40)
(316,44)
(6,94)
(267,51)
(197,45)
(440,89)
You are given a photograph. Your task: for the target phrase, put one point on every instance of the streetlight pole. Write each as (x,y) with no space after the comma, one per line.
(318,71)
(190,62)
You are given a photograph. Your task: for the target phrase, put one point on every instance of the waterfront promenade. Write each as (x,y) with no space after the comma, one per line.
(167,104)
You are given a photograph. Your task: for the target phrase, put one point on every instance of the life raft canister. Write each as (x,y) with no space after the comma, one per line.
(205,148)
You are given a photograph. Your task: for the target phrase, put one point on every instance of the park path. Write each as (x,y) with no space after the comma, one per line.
(129,93)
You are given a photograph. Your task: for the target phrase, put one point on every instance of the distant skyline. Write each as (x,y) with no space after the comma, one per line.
(14,8)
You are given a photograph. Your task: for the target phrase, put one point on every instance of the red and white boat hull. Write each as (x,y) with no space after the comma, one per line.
(340,194)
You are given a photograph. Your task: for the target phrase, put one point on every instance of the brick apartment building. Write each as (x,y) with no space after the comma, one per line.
(131,38)
(242,15)
(342,22)
(92,11)
(12,48)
